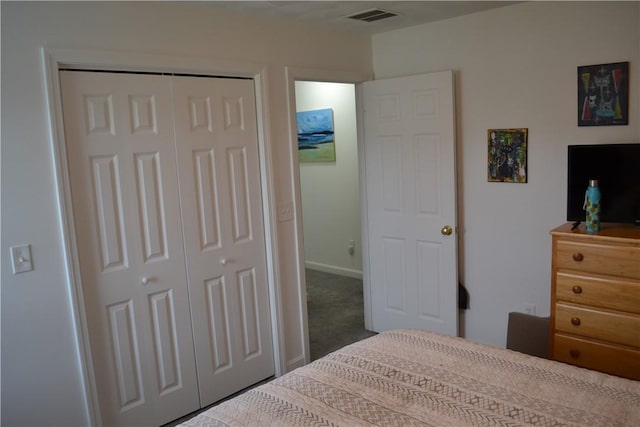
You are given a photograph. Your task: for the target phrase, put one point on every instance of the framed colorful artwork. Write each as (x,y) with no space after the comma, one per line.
(315,136)
(507,155)
(603,94)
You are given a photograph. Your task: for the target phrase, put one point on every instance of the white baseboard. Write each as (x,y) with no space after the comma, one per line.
(295,363)
(341,271)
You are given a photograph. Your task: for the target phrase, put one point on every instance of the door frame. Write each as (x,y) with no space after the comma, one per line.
(328,76)
(55,59)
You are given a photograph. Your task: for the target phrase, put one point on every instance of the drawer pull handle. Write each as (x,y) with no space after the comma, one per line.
(577,289)
(574,354)
(575,321)
(577,257)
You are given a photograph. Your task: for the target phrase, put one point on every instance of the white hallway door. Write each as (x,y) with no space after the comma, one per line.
(165,193)
(410,180)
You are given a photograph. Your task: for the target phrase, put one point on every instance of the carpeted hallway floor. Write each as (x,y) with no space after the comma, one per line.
(335,310)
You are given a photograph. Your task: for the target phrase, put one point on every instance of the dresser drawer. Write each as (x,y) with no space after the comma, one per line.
(599,291)
(621,261)
(606,325)
(608,358)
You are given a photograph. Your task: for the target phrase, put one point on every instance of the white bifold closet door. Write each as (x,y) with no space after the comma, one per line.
(224,232)
(166,199)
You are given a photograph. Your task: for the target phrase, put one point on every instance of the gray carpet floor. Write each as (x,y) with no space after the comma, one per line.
(335,311)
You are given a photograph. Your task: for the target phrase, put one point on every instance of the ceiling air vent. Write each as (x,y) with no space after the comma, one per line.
(372,15)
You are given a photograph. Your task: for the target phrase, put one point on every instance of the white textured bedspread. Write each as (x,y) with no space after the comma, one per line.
(406,377)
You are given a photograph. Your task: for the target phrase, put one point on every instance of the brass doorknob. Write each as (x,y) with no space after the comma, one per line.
(446,230)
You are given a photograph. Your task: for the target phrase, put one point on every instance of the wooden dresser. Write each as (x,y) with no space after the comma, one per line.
(595,298)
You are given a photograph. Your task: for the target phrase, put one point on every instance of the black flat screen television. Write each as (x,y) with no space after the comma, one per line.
(617,169)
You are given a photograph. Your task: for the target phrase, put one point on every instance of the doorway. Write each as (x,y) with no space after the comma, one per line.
(410,277)
(56,60)
(331,214)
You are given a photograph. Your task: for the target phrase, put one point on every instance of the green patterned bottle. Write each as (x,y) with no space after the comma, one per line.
(592,206)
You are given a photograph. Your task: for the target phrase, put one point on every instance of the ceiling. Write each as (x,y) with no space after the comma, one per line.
(334,14)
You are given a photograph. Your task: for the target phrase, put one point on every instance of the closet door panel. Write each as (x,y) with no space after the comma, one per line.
(150,200)
(206,197)
(108,211)
(219,171)
(120,146)
(240,201)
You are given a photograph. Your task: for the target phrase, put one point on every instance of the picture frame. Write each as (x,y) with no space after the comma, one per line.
(507,155)
(316,138)
(603,94)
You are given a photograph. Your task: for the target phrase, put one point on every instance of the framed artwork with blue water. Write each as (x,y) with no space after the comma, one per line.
(316,141)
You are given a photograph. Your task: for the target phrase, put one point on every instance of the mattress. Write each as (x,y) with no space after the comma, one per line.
(409,377)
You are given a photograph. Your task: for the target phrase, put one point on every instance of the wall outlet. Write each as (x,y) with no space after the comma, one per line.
(530,309)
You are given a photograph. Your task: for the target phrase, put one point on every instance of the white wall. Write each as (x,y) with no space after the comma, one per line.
(41,373)
(516,67)
(330,191)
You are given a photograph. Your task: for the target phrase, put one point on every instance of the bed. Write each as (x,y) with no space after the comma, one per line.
(409,377)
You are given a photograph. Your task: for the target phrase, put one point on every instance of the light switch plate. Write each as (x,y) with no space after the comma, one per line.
(21,259)
(285,211)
